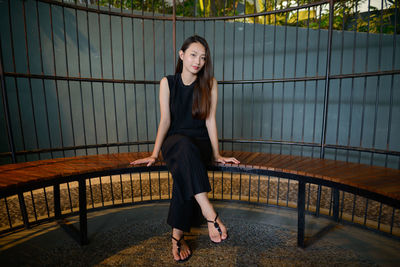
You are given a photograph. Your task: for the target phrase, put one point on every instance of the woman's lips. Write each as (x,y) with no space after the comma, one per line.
(195,67)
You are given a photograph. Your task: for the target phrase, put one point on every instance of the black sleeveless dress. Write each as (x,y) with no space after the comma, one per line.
(186,150)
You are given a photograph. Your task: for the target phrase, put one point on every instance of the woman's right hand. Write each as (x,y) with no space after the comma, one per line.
(149,160)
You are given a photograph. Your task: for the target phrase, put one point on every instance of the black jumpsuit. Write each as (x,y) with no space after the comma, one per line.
(186,150)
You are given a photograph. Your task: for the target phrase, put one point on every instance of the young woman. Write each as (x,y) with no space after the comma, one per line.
(187,137)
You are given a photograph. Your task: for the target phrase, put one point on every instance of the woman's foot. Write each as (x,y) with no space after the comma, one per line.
(217,230)
(180,249)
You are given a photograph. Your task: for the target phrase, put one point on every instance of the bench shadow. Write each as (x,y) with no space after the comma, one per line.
(310,240)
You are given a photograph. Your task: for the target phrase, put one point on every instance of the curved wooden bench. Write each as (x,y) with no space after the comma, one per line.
(377,183)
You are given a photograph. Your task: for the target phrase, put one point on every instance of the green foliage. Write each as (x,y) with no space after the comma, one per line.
(346,13)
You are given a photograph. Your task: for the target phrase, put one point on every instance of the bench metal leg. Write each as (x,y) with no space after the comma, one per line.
(336,204)
(22,207)
(57,204)
(82,212)
(301,201)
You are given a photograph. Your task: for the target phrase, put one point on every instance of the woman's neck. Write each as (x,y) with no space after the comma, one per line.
(187,77)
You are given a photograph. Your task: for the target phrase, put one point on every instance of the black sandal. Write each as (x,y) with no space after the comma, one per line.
(216,225)
(178,244)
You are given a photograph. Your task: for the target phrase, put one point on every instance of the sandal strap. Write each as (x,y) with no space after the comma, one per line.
(215,220)
(216,225)
(178,242)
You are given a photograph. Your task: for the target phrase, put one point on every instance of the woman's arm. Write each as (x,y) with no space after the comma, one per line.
(211,125)
(163,127)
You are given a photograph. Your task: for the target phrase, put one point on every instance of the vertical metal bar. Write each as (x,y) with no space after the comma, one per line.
(22,207)
(378,80)
(340,82)
(134,85)
(287,193)
(294,84)
(140,186)
(242,98)
(273,84)
(318,203)
(262,85)
(354,208)
(308,197)
(305,82)
(164,44)
(34,206)
(252,84)
(379,216)
(69,197)
(122,191)
(352,85)
(316,81)
(223,78)
(57,199)
(43,84)
(174,30)
(82,212)
(268,187)
(331,202)
(365,84)
(8,213)
(79,74)
(277,191)
(130,179)
(283,83)
(213,186)
(366,211)
(55,82)
(91,89)
(392,221)
(101,192)
(145,86)
(335,205)
(112,191)
(15,81)
(47,203)
(102,77)
(317,207)
(123,77)
(327,79)
(6,109)
(258,188)
(301,214)
(233,77)
(29,79)
(391,85)
(342,206)
(249,187)
(113,84)
(169,187)
(79,70)
(91,192)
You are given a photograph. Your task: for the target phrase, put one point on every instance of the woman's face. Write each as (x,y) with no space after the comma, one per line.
(193,58)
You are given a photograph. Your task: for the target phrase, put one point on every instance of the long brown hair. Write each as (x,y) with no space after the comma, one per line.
(203,84)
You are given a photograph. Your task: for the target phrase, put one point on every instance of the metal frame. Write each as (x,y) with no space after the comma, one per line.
(320,146)
(81,235)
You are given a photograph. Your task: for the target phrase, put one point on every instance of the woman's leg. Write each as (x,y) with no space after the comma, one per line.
(210,214)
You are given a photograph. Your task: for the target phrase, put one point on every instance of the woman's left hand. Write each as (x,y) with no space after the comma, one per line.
(224,160)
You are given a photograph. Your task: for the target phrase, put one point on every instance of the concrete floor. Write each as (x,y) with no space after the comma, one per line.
(259,236)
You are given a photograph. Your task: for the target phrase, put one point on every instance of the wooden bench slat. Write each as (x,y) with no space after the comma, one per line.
(382,180)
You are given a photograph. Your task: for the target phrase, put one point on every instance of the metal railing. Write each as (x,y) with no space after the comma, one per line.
(87,91)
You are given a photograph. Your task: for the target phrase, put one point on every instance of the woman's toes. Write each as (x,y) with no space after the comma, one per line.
(176,254)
